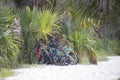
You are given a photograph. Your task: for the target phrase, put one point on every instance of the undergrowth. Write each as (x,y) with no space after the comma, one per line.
(6,73)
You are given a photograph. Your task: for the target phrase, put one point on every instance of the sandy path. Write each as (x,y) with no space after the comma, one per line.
(105,70)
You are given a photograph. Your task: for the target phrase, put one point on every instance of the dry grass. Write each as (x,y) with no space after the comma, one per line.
(5,73)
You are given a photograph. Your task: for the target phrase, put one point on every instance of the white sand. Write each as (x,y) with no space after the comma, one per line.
(105,70)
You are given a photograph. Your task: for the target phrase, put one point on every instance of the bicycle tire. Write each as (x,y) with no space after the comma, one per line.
(42,57)
(54,58)
(33,57)
(64,61)
(46,57)
(74,59)
(60,59)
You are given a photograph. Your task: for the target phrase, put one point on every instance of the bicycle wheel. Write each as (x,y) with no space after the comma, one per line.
(46,57)
(59,58)
(33,57)
(64,60)
(55,58)
(52,56)
(73,58)
(42,57)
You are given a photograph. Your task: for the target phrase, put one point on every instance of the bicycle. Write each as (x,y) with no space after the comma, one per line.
(38,54)
(70,54)
(53,55)
(56,56)
(59,58)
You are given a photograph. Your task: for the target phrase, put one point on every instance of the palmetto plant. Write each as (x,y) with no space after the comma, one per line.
(82,42)
(99,13)
(44,23)
(104,12)
(36,24)
(8,45)
(41,22)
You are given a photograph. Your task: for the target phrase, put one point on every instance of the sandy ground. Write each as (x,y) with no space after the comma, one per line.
(105,70)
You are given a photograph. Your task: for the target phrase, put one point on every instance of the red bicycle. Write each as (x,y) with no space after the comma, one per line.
(38,54)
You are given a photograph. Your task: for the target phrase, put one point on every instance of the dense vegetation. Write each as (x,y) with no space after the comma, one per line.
(91,26)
